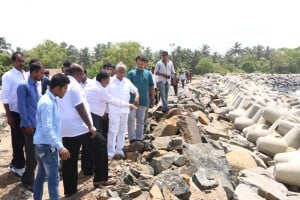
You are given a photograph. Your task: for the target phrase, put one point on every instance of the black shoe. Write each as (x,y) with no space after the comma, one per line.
(70,194)
(28,187)
(132,141)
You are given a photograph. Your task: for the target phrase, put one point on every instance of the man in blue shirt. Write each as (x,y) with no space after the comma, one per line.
(47,138)
(142,79)
(28,97)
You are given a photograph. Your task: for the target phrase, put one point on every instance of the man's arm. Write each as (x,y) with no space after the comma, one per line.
(6,87)
(21,93)
(84,116)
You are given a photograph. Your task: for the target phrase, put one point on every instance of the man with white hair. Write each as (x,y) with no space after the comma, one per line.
(120,87)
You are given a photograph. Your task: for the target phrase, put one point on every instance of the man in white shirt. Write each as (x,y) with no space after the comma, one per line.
(97,97)
(164,69)
(10,83)
(77,126)
(120,87)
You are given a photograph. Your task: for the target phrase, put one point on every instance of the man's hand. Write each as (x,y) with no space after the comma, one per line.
(136,102)
(93,131)
(29,130)
(10,120)
(152,103)
(132,106)
(64,154)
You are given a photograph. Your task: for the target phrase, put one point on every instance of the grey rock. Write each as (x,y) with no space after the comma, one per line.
(202,182)
(189,130)
(145,182)
(213,161)
(180,160)
(244,192)
(261,182)
(174,183)
(168,143)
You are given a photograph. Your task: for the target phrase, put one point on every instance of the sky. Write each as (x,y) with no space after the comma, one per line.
(159,24)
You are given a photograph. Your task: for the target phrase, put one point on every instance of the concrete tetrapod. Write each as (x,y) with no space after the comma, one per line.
(278,129)
(250,118)
(287,168)
(273,145)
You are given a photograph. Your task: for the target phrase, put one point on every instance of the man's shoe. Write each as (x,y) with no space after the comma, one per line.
(70,194)
(105,183)
(132,141)
(119,156)
(28,187)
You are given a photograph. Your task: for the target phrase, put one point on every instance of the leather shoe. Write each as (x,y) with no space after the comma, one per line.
(28,187)
(105,183)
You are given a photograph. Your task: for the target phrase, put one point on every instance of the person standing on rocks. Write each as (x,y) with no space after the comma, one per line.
(182,78)
(28,97)
(164,69)
(120,87)
(47,138)
(141,79)
(10,83)
(175,81)
(77,126)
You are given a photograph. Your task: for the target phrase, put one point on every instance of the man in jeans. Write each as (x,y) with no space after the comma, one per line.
(28,97)
(47,138)
(142,80)
(164,69)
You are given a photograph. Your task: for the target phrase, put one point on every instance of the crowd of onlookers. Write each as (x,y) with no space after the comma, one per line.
(57,118)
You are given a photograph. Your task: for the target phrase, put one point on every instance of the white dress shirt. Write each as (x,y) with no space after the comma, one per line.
(10,82)
(164,69)
(121,90)
(72,124)
(98,97)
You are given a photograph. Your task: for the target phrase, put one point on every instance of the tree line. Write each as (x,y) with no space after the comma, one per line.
(237,59)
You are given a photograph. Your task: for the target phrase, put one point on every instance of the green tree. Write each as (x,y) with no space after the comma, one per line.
(204,66)
(248,67)
(5,62)
(125,52)
(51,54)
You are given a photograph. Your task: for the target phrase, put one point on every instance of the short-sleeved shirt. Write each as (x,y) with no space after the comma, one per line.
(142,79)
(10,82)
(165,69)
(72,123)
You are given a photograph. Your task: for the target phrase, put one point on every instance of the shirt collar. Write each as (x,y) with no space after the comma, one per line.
(51,95)
(32,82)
(72,78)
(17,71)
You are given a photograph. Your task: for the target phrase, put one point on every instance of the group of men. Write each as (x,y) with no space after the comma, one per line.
(75,113)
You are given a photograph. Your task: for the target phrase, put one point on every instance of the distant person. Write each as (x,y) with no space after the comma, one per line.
(174,82)
(65,66)
(164,69)
(10,82)
(28,97)
(109,68)
(45,81)
(77,126)
(120,87)
(47,139)
(156,92)
(142,80)
(182,78)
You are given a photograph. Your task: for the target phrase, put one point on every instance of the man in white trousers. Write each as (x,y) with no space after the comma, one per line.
(120,87)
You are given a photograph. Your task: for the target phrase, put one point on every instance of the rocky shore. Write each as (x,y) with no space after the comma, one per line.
(225,137)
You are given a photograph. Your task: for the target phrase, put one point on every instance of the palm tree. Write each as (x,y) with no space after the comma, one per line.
(205,50)
(236,51)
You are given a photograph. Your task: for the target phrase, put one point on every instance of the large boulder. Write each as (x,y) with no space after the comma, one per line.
(240,160)
(166,127)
